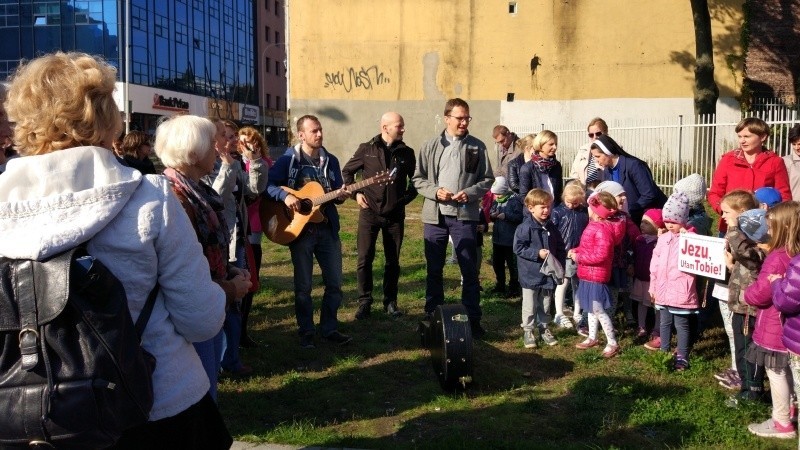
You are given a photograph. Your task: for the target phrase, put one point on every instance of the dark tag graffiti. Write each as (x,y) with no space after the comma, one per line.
(364,78)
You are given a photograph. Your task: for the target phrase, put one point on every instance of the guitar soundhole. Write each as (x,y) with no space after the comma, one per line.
(305,206)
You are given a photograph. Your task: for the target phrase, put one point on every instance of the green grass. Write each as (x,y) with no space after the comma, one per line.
(381,392)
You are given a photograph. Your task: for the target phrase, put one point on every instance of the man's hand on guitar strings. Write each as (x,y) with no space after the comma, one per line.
(292,202)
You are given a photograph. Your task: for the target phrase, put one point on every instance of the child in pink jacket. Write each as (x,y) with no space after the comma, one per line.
(777,229)
(672,290)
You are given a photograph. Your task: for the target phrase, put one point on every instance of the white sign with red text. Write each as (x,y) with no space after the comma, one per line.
(702,255)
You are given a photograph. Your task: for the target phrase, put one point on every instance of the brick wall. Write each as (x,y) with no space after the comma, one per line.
(773,59)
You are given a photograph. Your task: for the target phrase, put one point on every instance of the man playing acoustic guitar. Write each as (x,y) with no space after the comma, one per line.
(305,163)
(383,209)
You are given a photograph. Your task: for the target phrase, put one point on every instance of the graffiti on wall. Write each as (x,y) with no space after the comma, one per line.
(356,78)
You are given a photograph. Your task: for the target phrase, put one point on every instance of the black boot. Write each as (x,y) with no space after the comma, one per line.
(364,310)
(245,341)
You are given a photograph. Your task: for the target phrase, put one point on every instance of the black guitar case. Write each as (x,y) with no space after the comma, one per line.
(449,338)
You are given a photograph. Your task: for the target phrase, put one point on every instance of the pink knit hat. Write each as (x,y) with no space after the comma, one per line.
(654,216)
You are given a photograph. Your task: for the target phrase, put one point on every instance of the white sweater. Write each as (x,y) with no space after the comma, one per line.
(138,229)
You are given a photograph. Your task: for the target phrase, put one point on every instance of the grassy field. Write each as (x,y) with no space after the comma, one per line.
(381,392)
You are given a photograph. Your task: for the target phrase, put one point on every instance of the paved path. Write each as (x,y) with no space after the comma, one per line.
(238,445)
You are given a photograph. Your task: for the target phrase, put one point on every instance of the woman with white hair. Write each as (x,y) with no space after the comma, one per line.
(185,144)
(68,189)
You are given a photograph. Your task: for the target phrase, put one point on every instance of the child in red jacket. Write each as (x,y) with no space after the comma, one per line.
(594,257)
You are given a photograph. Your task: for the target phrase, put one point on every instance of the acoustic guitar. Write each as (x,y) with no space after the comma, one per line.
(282,225)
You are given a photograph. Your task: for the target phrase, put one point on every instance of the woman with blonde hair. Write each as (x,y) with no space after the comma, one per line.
(524,148)
(543,171)
(73,190)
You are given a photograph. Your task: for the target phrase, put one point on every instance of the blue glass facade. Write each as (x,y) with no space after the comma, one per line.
(29,28)
(202,47)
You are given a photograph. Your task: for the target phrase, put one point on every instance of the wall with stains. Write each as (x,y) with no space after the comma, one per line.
(551,60)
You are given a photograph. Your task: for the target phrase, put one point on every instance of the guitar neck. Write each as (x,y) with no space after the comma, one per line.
(352,187)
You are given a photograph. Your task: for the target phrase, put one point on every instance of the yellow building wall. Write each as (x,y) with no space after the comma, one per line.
(549,50)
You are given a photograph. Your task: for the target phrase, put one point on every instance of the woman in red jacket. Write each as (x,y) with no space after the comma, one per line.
(751,166)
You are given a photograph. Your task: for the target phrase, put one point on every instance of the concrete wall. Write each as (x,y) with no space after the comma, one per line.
(350,63)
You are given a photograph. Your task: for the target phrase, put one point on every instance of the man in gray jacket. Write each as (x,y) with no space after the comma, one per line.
(452,174)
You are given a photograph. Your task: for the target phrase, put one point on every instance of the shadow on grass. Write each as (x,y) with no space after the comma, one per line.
(367,382)
(597,412)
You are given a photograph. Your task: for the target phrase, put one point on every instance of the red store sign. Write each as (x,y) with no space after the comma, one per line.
(169,103)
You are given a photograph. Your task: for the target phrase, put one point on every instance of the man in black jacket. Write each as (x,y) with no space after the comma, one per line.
(383,209)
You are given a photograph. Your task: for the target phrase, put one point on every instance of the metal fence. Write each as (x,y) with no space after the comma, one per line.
(673,147)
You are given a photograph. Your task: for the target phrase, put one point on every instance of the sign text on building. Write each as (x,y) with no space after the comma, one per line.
(169,103)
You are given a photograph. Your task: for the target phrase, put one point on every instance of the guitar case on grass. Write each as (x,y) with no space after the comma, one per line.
(449,338)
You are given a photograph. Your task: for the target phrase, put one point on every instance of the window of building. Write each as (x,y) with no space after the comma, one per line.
(47,13)
(138,18)
(267,33)
(277,7)
(267,65)
(181,34)
(277,68)
(512,7)
(9,15)
(266,4)
(161,25)
(278,103)
(277,37)
(268,101)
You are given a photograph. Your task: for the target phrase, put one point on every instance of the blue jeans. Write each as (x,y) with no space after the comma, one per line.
(232,327)
(464,235)
(232,333)
(318,241)
(209,352)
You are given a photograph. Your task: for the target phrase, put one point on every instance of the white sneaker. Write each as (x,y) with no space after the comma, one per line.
(528,339)
(563,321)
(773,429)
(548,338)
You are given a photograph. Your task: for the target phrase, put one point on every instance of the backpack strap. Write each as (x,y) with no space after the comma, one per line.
(144,316)
(28,317)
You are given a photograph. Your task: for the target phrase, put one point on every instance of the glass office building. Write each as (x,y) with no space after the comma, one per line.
(192,56)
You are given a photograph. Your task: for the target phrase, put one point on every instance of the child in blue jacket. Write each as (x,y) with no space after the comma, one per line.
(534,240)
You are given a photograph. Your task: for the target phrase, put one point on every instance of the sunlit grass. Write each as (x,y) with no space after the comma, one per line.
(380,391)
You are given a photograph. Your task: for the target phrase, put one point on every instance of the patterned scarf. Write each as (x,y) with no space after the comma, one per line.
(205,210)
(543,165)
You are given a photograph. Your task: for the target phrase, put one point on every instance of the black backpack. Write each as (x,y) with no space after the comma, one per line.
(72,370)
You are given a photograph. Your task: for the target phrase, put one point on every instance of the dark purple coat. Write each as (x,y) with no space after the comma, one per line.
(786,298)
